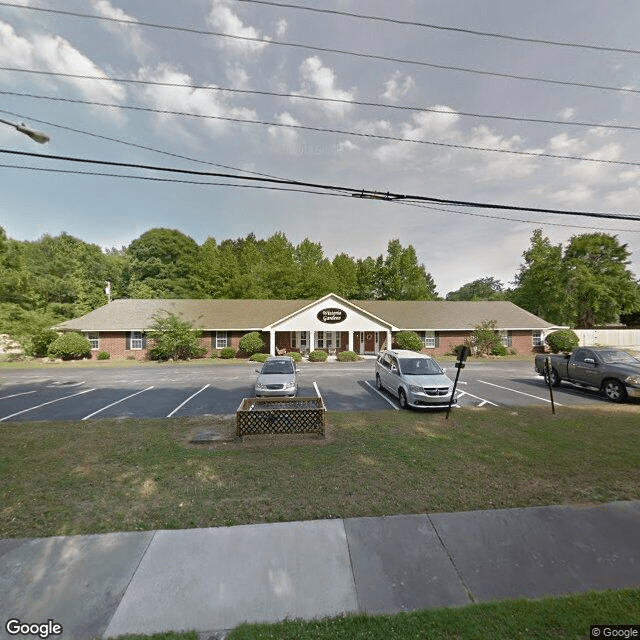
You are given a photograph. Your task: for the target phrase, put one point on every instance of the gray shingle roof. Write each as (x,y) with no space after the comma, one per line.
(248,315)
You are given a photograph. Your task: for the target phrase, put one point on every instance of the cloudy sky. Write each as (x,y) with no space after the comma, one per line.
(450,79)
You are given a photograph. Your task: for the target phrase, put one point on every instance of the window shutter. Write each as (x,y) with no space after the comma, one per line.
(144,340)
(437,335)
(510,338)
(127,339)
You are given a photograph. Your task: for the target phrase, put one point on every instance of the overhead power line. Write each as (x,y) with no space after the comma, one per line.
(298,96)
(438,27)
(354,192)
(303,191)
(298,45)
(133,144)
(345,132)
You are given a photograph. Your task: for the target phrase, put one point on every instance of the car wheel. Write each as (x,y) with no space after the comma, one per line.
(402,398)
(614,390)
(555,379)
(378,382)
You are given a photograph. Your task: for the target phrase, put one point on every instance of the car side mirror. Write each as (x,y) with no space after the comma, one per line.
(590,361)
(257,370)
(394,369)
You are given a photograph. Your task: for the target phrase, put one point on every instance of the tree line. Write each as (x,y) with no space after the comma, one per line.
(52,279)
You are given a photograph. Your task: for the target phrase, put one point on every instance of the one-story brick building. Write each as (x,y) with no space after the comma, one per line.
(331,323)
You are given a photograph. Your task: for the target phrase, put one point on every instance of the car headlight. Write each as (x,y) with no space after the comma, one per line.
(289,385)
(261,385)
(414,388)
(633,380)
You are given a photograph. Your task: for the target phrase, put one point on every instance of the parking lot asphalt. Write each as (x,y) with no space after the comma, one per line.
(156,390)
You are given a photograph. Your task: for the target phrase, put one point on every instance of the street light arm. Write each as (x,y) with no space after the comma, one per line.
(38,136)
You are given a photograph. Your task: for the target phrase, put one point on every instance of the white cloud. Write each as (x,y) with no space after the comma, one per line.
(281,27)
(429,123)
(129,34)
(397,88)
(223,18)
(204,102)
(567,113)
(320,81)
(54,53)
(284,136)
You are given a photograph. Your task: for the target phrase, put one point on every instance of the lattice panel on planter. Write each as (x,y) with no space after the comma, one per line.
(256,416)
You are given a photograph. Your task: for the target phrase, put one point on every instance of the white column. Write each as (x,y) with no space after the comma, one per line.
(350,340)
(312,341)
(272,342)
(389,340)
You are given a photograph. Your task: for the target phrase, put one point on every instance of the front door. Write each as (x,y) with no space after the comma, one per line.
(370,342)
(361,342)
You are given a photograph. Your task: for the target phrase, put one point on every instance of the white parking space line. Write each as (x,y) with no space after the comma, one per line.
(522,393)
(191,397)
(113,404)
(44,404)
(393,404)
(315,386)
(483,401)
(15,395)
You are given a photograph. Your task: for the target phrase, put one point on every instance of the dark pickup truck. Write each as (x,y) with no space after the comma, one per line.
(613,371)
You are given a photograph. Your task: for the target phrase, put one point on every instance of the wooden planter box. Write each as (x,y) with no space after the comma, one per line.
(256,416)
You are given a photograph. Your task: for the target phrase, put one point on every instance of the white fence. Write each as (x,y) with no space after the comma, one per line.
(629,338)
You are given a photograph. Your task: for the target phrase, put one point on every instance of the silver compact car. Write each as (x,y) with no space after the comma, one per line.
(277,377)
(416,379)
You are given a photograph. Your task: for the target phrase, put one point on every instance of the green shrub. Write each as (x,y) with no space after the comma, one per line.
(259,357)
(214,355)
(104,355)
(318,356)
(251,343)
(348,356)
(227,353)
(174,339)
(484,338)
(563,340)
(498,350)
(295,356)
(38,344)
(409,340)
(70,346)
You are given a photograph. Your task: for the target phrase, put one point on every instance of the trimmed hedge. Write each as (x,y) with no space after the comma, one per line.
(295,356)
(409,340)
(251,343)
(70,346)
(563,340)
(227,353)
(259,357)
(104,355)
(318,356)
(348,356)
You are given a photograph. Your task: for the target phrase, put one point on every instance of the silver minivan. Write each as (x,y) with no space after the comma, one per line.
(416,379)
(277,377)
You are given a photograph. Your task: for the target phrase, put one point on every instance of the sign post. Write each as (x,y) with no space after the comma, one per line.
(547,365)
(464,352)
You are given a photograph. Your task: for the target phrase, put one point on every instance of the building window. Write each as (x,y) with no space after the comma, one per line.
(222,340)
(505,337)
(94,338)
(137,340)
(299,340)
(328,340)
(429,339)
(536,338)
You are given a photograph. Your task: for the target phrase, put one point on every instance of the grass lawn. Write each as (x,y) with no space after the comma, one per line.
(60,478)
(564,618)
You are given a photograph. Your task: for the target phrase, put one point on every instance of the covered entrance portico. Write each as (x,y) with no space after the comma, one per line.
(333,324)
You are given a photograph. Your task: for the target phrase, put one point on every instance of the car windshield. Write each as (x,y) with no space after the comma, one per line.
(617,356)
(277,366)
(419,367)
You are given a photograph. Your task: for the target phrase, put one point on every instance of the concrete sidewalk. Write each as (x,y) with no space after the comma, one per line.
(214,579)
